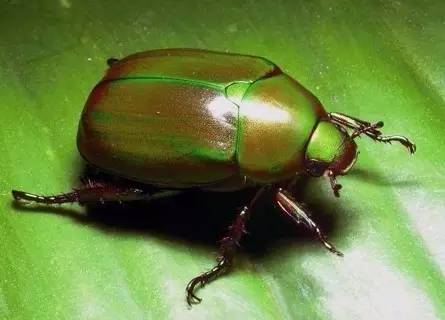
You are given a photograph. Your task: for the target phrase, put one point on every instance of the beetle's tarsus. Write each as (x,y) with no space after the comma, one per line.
(90,192)
(324,240)
(192,298)
(228,249)
(370,130)
(223,265)
(228,246)
(26,197)
(334,185)
(401,139)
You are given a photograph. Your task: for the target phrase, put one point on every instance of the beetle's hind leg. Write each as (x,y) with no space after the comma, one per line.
(371,130)
(228,248)
(91,191)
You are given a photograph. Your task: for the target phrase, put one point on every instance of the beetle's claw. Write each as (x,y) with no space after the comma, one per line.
(18,195)
(336,190)
(330,246)
(112,61)
(334,250)
(25,198)
(324,240)
(410,146)
(192,298)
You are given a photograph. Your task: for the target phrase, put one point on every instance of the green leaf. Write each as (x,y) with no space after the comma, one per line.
(374,60)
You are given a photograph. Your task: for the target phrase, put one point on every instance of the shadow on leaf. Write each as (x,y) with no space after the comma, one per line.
(200,218)
(375,178)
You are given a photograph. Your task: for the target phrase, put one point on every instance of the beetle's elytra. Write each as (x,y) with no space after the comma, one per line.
(182,118)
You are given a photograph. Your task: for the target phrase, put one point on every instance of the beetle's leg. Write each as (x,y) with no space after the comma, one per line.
(347,121)
(334,185)
(369,129)
(401,139)
(112,61)
(300,214)
(228,247)
(91,191)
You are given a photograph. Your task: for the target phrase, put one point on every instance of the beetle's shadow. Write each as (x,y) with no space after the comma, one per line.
(376,178)
(202,218)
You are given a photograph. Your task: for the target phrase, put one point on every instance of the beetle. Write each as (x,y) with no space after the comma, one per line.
(190,118)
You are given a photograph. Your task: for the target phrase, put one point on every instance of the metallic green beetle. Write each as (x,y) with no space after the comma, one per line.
(182,118)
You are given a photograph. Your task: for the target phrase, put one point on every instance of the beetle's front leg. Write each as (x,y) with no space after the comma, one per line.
(299,214)
(369,129)
(228,248)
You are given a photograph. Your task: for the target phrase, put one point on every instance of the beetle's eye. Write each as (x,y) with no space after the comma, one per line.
(316,168)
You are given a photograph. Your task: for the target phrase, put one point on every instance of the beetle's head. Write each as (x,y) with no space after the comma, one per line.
(330,152)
